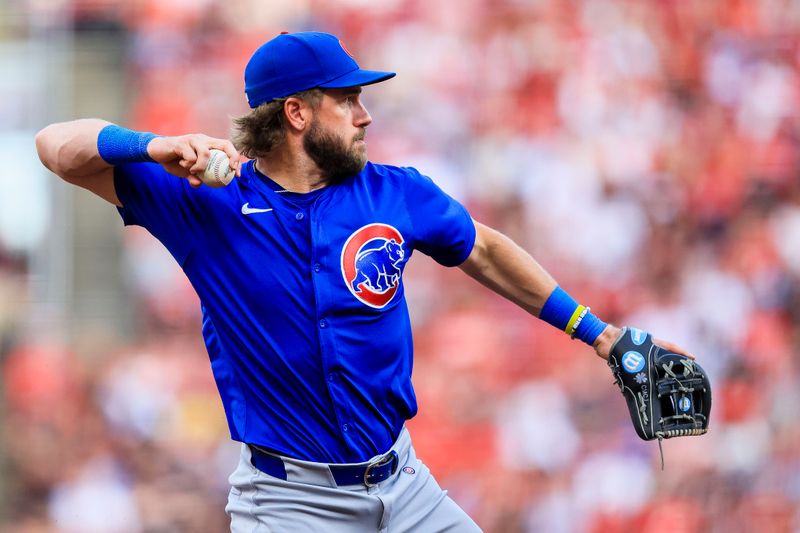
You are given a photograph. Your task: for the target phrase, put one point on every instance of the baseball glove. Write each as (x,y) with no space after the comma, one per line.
(668,395)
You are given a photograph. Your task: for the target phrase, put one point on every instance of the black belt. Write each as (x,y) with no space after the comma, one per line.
(367,474)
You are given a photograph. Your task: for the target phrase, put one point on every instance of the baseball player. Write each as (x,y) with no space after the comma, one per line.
(298,264)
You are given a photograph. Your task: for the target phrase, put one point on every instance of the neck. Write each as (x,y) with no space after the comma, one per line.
(293,171)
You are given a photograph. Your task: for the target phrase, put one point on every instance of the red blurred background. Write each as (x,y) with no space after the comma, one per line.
(645,152)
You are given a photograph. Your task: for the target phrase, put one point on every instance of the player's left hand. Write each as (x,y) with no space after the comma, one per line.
(602,345)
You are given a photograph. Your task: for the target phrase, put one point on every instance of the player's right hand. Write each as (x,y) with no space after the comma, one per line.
(187,155)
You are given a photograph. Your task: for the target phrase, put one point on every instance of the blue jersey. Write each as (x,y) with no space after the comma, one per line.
(304,313)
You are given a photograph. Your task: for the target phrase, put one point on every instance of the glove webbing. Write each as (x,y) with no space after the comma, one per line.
(681,433)
(689,371)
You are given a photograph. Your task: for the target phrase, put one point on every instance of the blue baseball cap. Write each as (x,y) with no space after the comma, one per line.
(294,62)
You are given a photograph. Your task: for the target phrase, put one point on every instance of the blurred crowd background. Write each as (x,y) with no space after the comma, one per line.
(645,152)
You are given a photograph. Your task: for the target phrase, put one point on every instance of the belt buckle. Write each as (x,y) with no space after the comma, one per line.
(386,459)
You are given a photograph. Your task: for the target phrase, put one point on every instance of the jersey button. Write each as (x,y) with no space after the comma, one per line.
(323,323)
(331,377)
(299,216)
(345,428)
(317,267)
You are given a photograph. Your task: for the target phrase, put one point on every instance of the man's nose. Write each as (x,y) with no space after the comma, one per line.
(361,117)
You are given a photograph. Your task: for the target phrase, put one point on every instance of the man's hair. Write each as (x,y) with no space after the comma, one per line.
(264,128)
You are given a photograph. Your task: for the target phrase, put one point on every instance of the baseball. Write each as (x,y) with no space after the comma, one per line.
(218,172)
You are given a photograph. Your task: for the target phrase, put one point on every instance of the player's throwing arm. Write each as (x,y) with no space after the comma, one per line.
(83,152)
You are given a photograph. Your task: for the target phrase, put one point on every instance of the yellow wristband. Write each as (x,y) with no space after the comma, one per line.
(574,320)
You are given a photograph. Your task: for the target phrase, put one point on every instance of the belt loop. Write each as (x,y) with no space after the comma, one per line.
(267,463)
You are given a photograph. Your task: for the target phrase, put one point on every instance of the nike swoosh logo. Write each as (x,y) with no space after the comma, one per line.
(247,210)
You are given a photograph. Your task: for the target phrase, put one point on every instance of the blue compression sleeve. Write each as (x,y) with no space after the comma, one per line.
(117,145)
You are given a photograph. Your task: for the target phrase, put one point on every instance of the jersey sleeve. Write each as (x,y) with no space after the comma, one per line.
(159,202)
(443,229)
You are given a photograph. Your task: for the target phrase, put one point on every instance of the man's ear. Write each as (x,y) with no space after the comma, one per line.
(298,113)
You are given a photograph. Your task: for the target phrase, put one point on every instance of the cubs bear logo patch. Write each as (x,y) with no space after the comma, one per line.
(372,264)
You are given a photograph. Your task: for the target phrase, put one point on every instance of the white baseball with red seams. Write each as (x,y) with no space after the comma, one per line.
(218,172)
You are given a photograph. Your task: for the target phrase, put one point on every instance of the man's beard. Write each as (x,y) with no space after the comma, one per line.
(334,159)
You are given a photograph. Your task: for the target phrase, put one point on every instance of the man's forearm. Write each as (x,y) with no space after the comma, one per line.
(501,265)
(84,152)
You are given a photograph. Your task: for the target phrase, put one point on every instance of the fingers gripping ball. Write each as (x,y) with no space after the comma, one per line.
(218,171)
(668,395)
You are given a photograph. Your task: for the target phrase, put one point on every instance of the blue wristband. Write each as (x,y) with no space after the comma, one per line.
(558,308)
(117,145)
(562,311)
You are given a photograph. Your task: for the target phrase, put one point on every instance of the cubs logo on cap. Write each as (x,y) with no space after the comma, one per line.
(346,50)
(373,258)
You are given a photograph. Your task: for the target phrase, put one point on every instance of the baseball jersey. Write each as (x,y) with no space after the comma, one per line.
(304,313)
